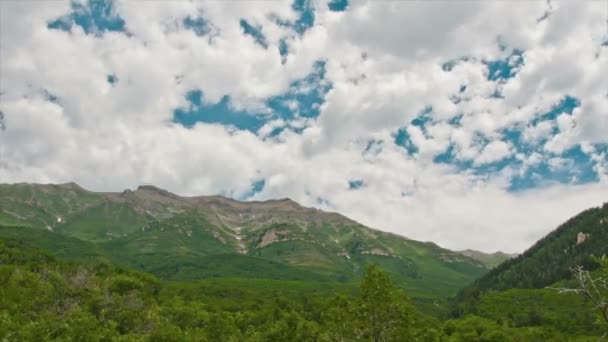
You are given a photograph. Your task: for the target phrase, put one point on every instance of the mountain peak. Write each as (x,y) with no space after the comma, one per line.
(152,188)
(71,186)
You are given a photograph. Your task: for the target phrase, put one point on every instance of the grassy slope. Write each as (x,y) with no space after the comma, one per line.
(103,222)
(58,245)
(157,232)
(167,266)
(41,205)
(424,269)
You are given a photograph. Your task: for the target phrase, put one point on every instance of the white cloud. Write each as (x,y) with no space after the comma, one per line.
(534,134)
(384,61)
(495,151)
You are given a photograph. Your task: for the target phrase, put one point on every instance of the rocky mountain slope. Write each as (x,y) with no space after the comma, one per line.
(179,237)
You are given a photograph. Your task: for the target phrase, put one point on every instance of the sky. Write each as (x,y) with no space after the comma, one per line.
(472,124)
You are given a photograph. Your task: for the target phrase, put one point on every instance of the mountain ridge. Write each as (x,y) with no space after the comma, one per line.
(490,259)
(178,237)
(577,242)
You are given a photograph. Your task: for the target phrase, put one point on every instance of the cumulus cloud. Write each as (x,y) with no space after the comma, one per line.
(472,86)
(495,151)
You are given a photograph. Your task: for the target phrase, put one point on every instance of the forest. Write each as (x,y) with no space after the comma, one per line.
(45,298)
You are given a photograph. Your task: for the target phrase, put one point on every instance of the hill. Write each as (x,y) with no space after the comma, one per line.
(188,238)
(576,242)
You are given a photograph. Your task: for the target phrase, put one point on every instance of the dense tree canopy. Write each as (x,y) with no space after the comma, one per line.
(43,298)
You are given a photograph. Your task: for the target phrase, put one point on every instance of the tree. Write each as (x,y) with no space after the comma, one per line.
(381,313)
(594,287)
(339,319)
(383,310)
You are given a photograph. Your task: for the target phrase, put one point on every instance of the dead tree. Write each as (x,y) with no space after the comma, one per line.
(594,288)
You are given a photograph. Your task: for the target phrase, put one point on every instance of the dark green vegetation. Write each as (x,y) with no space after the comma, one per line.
(521,292)
(147,265)
(43,298)
(550,260)
(189,238)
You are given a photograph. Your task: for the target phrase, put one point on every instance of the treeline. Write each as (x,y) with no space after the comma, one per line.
(42,298)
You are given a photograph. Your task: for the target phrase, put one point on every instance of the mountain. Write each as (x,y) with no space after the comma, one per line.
(182,238)
(577,242)
(490,260)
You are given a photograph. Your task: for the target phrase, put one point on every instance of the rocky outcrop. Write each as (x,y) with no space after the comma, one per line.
(582,237)
(376,251)
(269,237)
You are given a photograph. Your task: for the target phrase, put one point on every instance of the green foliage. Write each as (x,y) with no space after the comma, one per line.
(61,246)
(300,286)
(180,238)
(566,313)
(548,261)
(385,311)
(594,288)
(42,298)
(103,222)
(478,329)
(380,313)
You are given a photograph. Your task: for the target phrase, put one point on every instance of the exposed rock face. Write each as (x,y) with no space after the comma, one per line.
(219,237)
(376,251)
(344,254)
(268,238)
(582,237)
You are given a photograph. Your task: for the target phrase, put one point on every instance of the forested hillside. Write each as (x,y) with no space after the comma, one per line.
(524,291)
(577,242)
(43,298)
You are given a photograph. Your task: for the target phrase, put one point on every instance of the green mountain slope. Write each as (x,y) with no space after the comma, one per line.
(491,260)
(42,205)
(575,243)
(58,245)
(178,237)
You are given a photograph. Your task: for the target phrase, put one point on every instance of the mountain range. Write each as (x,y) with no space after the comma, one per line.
(186,238)
(261,254)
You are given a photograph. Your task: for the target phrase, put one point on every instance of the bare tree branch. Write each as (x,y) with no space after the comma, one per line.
(595,289)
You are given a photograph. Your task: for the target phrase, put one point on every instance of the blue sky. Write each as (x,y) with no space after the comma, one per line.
(389,113)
